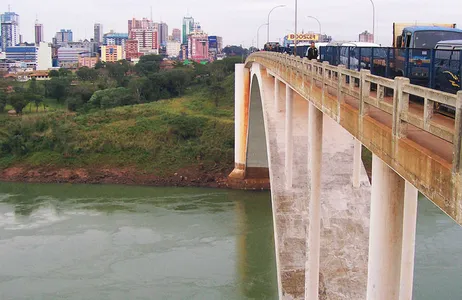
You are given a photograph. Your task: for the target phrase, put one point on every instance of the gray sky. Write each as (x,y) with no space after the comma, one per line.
(237,20)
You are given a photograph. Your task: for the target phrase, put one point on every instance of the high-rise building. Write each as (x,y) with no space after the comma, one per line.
(366,37)
(147,40)
(139,24)
(114,38)
(176,34)
(9,29)
(163,34)
(198,46)
(146,33)
(188,27)
(63,36)
(38,33)
(98,33)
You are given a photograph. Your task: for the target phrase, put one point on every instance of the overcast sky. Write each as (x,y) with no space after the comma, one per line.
(237,20)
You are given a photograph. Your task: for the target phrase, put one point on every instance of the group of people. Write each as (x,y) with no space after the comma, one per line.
(312,52)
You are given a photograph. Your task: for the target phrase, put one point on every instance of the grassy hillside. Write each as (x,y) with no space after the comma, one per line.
(159,137)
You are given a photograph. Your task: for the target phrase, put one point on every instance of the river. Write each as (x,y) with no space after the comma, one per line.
(120,242)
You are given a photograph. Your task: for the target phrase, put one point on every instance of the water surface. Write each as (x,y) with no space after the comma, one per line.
(120,242)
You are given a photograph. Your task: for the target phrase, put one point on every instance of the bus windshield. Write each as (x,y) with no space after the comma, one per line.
(429,39)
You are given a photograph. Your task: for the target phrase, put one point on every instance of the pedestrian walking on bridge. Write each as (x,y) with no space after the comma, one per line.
(312,52)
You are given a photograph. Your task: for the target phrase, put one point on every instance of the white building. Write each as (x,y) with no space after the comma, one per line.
(44,61)
(173,48)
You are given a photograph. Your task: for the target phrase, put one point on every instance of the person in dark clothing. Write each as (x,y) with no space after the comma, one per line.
(312,52)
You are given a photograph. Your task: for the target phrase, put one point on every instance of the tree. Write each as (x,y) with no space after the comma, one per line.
(100,65)
(141,88)
(235,51)
(64,72)
(159,82)
(53,73)
(18,100)
(74,102)
(216,91)
(87,74)
(118,70)
(177,80)
(148,64)
(217,71)
(35,93)
(112,98)
(3,100)
(84,90)
(57,88)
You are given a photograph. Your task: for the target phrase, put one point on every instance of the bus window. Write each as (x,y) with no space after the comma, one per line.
(408,40)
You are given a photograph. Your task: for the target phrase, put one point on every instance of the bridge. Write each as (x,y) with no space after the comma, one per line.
(300,126)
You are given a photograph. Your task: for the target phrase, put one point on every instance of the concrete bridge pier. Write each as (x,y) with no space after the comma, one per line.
(276,95)
(241,100)
(386,232)
(357,164)
(289,138)
(407,256)
(392,235)
(315,125)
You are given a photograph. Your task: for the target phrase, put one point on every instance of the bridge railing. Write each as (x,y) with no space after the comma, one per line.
(389,102)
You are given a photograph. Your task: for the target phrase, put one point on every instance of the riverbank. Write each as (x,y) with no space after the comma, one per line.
(183,141)
(193,176)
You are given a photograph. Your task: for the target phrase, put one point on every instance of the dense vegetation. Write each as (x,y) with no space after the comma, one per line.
(111,116)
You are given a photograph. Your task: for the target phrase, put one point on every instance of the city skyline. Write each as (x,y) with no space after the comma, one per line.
(248,17)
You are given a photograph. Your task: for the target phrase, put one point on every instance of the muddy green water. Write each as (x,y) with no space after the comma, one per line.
(119,242)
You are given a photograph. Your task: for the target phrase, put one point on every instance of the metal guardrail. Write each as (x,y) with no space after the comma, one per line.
(328,87)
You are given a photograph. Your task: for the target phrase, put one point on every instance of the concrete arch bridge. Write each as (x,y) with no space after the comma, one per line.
(300,127)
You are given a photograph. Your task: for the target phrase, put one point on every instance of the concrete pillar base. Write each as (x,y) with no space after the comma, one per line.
(250,179)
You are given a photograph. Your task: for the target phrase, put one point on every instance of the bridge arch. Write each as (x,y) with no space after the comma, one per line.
(257,166)
(252,149)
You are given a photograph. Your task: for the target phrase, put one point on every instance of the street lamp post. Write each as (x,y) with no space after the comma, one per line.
(268,32)
(258,33)
(296,21)
(373,21)
(319,23)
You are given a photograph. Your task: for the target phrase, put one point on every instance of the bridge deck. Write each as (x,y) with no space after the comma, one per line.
(434,144)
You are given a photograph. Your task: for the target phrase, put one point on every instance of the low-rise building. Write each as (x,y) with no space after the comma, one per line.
(90,62)
(35,57)
(69,57)
(112,53)
(132,50)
